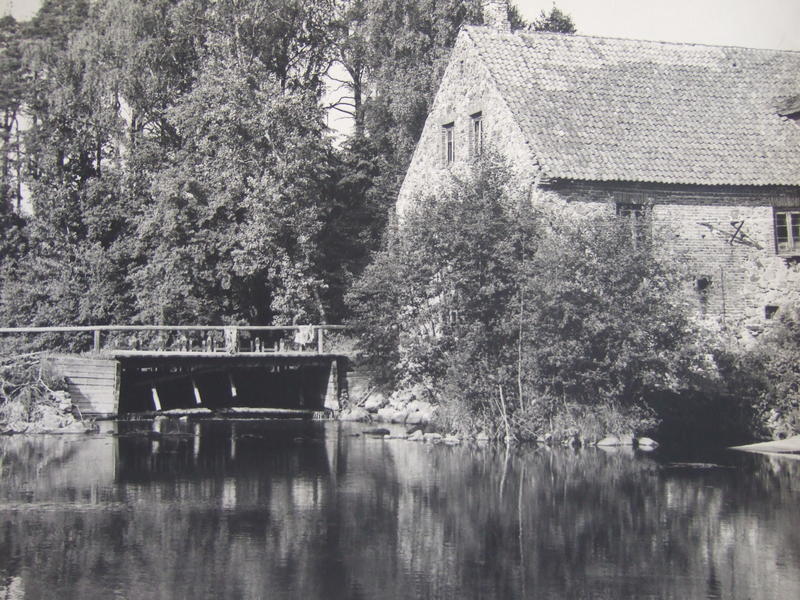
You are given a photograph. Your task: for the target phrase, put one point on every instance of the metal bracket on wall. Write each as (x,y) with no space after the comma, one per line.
(738,236)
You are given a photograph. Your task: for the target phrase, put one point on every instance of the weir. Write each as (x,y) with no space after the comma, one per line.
(235,370)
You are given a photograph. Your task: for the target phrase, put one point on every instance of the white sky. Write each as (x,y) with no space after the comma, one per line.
(752,23)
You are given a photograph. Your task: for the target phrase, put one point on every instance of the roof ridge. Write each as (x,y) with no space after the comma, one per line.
(521,32)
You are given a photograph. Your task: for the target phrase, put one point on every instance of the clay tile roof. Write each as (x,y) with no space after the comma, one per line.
(607,109)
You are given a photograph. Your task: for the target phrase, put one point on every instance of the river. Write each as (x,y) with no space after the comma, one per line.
(307,510)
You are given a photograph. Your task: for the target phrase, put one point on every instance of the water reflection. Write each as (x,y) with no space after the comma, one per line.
(179,509)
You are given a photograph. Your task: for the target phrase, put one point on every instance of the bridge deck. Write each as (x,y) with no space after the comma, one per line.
(98,382)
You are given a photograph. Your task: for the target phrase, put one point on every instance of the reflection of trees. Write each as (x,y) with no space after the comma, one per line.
(294,515)
(591,524)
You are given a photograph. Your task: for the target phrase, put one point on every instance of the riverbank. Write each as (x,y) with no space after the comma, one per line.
(420,413)
(30,404)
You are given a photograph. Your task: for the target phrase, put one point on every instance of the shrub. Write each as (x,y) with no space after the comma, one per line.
(521,317)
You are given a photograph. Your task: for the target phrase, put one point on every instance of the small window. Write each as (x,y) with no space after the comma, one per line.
(702,285)
(448,143)
(476,135)
(769,311)
(634,214)
(787,231)
(635,211)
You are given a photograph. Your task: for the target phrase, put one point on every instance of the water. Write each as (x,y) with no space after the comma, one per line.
(305,510)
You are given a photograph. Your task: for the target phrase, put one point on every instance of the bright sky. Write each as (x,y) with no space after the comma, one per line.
(752,23)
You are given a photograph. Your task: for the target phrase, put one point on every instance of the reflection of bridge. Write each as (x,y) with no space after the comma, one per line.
(130,368)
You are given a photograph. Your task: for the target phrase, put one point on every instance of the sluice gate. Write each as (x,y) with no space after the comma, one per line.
(181,369)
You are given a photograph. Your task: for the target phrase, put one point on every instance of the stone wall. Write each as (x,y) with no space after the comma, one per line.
(735,277)
(466,89)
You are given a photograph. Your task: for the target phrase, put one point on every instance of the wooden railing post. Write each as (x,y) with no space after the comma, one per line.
(96,341)
(231,340)
(319,340)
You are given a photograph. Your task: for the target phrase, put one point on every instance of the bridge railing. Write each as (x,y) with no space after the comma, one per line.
(232,339)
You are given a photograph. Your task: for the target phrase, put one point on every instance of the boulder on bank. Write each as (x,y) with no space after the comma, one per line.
(354,413)
(420,412)
(400,416)
(375,401)
(385,414)
(47,412)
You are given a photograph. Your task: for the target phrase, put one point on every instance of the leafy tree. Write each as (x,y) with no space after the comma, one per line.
(452,266)
(392,55)
(12,80)
(607,319)
(291,39)
(233,227)
(555,21)
(516,311)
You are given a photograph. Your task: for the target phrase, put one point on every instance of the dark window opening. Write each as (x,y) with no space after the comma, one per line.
(476,135)
(634,214)
(635,211)
(787,231)
(702,285)
(448,143)
(769,311)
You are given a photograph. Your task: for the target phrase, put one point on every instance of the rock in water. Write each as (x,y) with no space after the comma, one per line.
(377,431)
(609,440)
(645,443)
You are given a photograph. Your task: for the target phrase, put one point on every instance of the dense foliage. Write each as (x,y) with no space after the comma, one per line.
(519,313)
(556,21)
(763,381)
(168,161)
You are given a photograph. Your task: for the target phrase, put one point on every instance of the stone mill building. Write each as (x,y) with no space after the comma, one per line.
(705,140)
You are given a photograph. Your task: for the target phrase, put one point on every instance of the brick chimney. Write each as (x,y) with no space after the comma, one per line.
(495,14)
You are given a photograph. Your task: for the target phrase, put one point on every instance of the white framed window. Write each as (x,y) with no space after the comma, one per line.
(448,143)
(787,231)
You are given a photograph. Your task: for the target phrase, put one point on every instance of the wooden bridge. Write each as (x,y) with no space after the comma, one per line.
(118,369)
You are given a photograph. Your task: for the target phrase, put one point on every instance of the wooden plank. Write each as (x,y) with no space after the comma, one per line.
(98,394)
(93,392)
(82,379)
(90,374)
(93,383)
(79,368)
(106,365)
